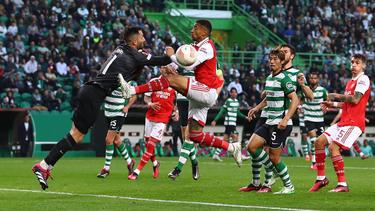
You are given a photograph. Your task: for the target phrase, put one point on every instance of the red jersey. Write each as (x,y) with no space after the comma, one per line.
(205,72)
(354,114)
(166,98)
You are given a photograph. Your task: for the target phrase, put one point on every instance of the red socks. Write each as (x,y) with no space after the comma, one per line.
(208,140)
(338,164)
(155,84)
(150,150)
(320,161)
(356,147)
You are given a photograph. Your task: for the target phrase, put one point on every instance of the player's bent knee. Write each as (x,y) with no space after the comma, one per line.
(275,159)
(76,135)
(333,147)
(321,142)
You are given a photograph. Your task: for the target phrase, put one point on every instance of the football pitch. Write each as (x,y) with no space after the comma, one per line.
(76,187)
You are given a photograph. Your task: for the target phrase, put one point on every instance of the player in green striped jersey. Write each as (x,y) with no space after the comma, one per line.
(231,109)
(115,110)
(314,115)
(281,101)
(188,148)
(303,132)
(298,81)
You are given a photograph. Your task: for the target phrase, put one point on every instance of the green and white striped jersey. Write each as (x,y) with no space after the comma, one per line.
(292,74)
(231,109)
(312,110)
(278,88)
(114,103)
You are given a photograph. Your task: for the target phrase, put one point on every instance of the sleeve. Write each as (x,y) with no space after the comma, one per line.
(148,59)
(325,94)
(205,52)
(222,111)
(287,85)
(240,114)
(363,84)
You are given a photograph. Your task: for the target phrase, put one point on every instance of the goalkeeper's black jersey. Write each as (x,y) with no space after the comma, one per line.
(127,61)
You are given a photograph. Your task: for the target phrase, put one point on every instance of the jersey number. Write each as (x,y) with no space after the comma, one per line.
(108,63)
(273,136)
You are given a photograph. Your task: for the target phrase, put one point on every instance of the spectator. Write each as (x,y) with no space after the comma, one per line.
(366,149)
(36,98)
(50,101)
(237,85)
(62,67)
(8,101)
(31,66)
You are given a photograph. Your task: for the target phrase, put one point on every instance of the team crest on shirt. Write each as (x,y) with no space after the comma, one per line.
(289,85)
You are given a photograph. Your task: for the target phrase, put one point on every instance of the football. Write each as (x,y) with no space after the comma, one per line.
(186,55)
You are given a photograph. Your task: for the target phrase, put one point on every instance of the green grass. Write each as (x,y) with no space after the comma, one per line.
(219,183)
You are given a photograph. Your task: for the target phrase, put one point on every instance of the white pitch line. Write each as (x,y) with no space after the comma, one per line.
(152,200)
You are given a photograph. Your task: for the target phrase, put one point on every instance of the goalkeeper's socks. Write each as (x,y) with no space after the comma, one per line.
(66,144)
(124,153)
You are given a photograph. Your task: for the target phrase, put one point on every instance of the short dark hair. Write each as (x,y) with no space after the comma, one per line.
(314,73)
(279,53)
(292,49)
(130,32)
(233,89)
(360,57)
(206,24)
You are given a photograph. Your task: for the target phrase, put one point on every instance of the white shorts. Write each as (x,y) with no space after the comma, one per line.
(343,136)
(201,98)
(154,129)
(200,93)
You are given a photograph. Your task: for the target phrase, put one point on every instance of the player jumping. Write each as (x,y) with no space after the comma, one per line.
(126,60)
(202,90)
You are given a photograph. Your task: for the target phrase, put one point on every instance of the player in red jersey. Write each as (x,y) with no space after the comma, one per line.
(160,107)
(201,90)
(348,129)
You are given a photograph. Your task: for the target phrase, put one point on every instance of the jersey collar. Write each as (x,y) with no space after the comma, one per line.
(201,42)
(288,68)
(360,74)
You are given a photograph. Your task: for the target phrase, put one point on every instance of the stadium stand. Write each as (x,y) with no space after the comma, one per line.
(48,49)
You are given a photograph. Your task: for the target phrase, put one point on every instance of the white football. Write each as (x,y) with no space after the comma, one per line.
(186,55)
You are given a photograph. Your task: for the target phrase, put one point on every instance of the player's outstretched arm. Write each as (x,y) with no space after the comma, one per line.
(222,111)
(148,59)
(345,98)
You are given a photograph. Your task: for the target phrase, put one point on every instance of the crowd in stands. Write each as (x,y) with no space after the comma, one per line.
(48,50)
